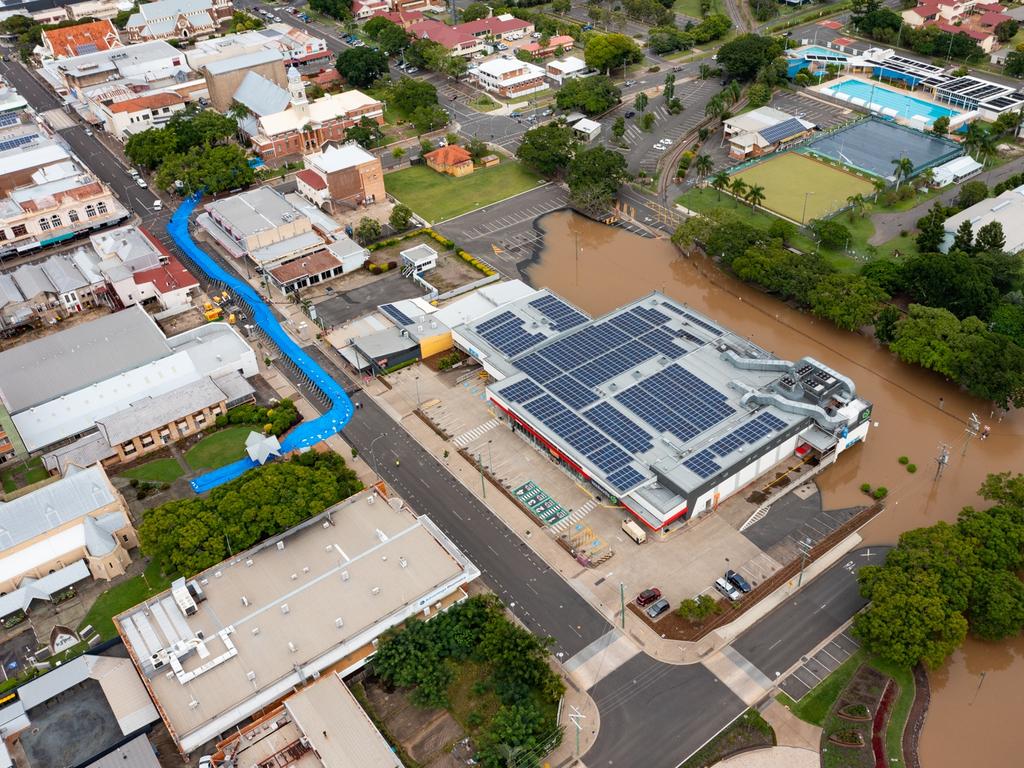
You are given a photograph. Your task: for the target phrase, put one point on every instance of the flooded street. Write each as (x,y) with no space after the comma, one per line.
(915,412)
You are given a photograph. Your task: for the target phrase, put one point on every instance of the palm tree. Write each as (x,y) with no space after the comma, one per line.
(903,167)
(928,176)
(703,165)
(974,136)
(858,205)
(755,196)
(985,149)
(705,71)
(732,92)
(715,106)
(720,181)
(880,185)
(739,188)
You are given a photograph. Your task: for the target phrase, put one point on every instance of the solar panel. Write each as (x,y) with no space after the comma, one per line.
(8,118)
(611,364)
(571,392)
(579,347)
(726,445)
(653,316)
(587,439)
(702,464)
(494,322)
(510,338)
(640,400)
(520,391)
(625,479)
(16,142)
(561,314)
(762,425)
(609,458)
(702,324)
(537,368)
(396,314)
(783,130)
(619,428)
(662,341)
(630,323)
(544,407)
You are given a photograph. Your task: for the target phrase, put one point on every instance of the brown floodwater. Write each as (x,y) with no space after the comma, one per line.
(915,412)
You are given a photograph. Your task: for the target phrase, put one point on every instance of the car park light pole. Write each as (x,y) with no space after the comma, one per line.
(622,602)
(805,551)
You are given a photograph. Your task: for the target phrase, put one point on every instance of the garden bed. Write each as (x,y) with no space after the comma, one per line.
(748,731)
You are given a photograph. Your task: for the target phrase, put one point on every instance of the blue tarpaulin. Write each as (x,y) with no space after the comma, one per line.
(306,434)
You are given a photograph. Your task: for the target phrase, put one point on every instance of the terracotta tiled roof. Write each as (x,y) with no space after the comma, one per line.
(313,264)
(312,178)
(453,154)
(150,101)
(68,41)
(166,278)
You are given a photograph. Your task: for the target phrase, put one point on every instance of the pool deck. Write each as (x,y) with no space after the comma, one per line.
(829,89)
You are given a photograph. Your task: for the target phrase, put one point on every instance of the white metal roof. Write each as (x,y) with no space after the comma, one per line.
(338,158)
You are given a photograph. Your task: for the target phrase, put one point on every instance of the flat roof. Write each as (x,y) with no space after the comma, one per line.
(266,56)
(270,617)
(257,210)
(151,412)
(338,158)
(41,370)
(654,401)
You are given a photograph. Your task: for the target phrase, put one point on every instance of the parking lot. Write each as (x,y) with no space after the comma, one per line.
(819,666)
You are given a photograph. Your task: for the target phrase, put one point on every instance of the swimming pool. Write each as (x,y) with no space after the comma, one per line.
(889,102)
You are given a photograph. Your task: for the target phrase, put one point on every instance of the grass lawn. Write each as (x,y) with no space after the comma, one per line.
(861,229)
(691,8)
(814,707)
(156,471)
(218,449)
(122,597)
(438,197)
(464,700)
(900,710)
(21,475)
(793,183)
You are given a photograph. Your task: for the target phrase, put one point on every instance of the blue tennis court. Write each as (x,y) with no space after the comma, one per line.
(871,145)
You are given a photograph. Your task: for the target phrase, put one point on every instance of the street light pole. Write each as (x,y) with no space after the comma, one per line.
(805,551)
(480,466)
(803,216)
(622,602)
(373,456)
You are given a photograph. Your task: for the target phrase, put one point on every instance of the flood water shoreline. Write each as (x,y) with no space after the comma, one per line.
(915,412)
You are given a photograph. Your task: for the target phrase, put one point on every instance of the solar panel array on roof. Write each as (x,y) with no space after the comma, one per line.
(17,141)
(8,118)
(676,401)
(760,426)
(562,316)
(507,334)
(619,428)
(625,479)
(784,130)
(396,314)
(702,464)
(521,391)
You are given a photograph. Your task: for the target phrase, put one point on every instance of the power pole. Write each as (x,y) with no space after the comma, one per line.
(622,602)
(971,431)
(805,552)
(941,460)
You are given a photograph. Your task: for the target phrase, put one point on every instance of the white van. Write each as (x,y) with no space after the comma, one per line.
(158,204)
(634,531)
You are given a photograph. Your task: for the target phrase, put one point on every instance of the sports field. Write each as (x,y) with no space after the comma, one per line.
(788,178)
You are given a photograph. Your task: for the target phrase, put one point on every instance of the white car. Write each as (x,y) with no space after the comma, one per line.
(277,18)
(141,182)
(728,590)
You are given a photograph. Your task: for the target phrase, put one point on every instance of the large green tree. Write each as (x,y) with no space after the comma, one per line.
(408,94)
(611,51)
(743,57)
(590,95)
(548,149)
(362,66)
(594,177)
(849,301)
(952,281)
(475,11)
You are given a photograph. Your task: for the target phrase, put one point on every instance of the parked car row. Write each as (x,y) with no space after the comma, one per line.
(732,586)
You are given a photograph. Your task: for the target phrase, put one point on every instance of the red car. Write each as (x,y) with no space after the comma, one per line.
(648,596)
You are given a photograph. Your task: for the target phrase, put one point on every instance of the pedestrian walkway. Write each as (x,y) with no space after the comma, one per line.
(466,438)
(575,517)
(602,657)
(742,677)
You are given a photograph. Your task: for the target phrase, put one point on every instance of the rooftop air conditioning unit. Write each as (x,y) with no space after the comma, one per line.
(280,545)
(250,676)
(248,562)
(339,622)
(344,576)
(285,608)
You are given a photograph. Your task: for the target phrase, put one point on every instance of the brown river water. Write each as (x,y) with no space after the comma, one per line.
(915,411)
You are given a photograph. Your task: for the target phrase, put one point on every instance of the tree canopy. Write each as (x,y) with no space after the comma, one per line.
(548,149)
(189,535)
(362,66)
(605,52)
(590,95)
(426,656)
(943,581)
(746,55)
(594,177)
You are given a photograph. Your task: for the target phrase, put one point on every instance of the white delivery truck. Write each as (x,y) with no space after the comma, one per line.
(634,531)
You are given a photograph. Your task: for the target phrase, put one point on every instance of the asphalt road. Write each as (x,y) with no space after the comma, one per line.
(781,638)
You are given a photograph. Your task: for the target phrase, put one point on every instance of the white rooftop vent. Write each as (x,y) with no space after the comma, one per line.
(328,547)
(294,576)
(381,536)
(285,608)
(403,562)
(325,524)
(217,574)
(193,704)
(245,601)
(255,631)
(250,676)
(248,562)
(291,646)
(344,576)
(369,499)
(375,591)
(305,569)
(280,545)
(339,622)
(383,558)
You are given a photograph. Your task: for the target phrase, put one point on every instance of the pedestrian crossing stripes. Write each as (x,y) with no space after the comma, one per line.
(575,517)
(468,437)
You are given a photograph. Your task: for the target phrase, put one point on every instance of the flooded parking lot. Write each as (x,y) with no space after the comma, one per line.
(916,412)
